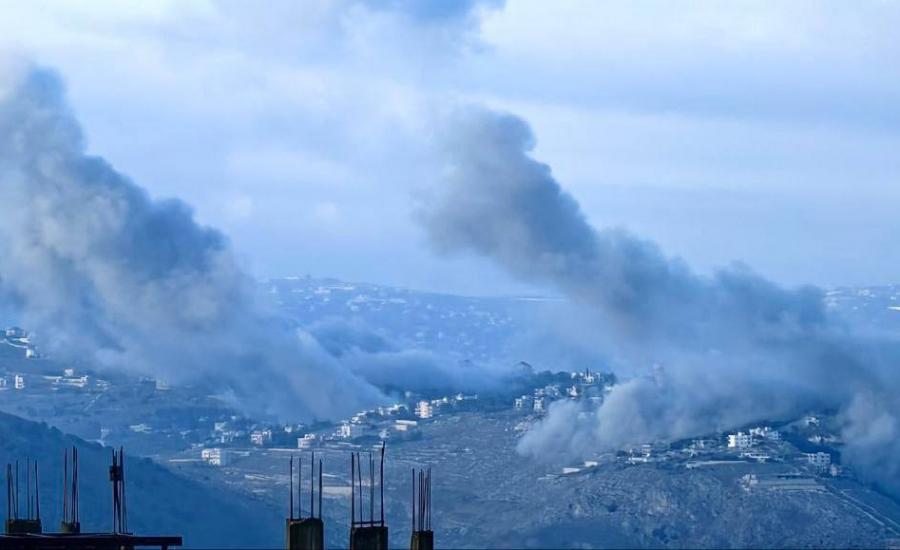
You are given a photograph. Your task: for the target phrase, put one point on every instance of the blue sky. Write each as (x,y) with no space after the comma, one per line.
(761,132)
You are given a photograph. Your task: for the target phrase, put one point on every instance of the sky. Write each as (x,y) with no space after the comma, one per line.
(759,132)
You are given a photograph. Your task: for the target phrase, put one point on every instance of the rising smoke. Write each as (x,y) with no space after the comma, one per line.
(102,271)
(725,350)
(403,366)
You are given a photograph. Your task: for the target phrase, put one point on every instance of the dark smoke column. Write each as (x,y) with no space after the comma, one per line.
(729,348)
(100,270)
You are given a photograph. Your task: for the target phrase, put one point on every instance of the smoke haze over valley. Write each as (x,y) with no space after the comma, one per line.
(97,267)
(726,350)
(635,260)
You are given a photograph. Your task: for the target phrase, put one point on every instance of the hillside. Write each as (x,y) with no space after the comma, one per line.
(159,501)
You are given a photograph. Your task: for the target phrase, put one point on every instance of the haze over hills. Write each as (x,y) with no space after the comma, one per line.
(875,308)
(685,373)
(636,498)
(474,328)
(485,328)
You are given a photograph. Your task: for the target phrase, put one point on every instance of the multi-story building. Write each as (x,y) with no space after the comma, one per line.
(216,456)
(740,441)
(819,460)
(424,410)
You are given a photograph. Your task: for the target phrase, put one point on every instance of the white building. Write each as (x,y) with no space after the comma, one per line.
(740,441)
(406,425)
(424,410)
(350,431)
(74,381)
(765,432)
(587,377)
(308,441)
(216,457)
(758,456)
(15,332)
(642,454)
(220,426)
(19,382)
(819,460)
(261,437)
(538,404)
(70,372)
(392,409)
(573,392)
(522,402)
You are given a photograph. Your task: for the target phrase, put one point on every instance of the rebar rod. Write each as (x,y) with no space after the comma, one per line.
(291,490)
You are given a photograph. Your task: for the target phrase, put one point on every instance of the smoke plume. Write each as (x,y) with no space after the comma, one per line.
(100,270)
(725,349)
(385,363)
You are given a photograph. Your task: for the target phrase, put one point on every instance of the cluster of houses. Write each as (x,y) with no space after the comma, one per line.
(747,444)
(18,382)
(539,400)
(584,385)
(18,342)
(235,429)
(68,379)
(398,421)
(761,444)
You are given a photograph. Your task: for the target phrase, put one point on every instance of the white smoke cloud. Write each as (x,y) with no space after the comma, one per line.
(732,348)
(99,269)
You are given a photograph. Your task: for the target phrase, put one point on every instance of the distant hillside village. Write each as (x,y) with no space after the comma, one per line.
(219,436)
(190,430)
(16,342)
(397,422)
(760,444)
